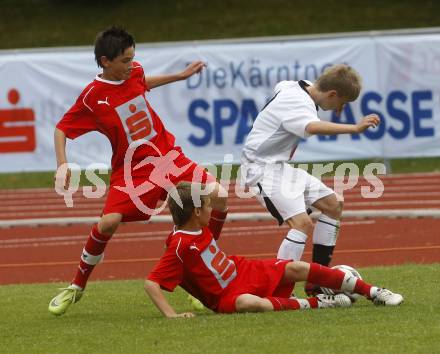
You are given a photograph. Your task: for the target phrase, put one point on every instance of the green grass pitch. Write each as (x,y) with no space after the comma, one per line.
(117,317)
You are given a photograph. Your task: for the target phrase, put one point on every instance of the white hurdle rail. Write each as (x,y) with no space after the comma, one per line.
(261,216)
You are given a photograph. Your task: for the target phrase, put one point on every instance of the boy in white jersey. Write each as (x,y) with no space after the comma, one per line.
(288,192)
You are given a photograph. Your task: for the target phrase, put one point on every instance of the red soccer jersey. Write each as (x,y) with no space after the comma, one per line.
(195,262)
(120,111)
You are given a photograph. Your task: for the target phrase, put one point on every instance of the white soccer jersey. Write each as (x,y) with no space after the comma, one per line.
(281,124)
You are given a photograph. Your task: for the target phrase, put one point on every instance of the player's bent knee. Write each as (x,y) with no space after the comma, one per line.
(248,303)
(333,207)
(242,303)
(302,223)
(309,225)
(148,285)
(336,211)
(339,197)
(340,206)
(297,271)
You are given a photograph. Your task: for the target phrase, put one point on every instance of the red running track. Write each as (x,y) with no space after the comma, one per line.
(43,254)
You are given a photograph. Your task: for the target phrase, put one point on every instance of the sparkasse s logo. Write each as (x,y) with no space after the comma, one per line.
(17,130)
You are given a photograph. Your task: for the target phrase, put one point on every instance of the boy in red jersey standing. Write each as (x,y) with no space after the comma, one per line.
(228,284)
(114,104)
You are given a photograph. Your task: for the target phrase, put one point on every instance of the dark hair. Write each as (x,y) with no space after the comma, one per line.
(112,42)
(182,215)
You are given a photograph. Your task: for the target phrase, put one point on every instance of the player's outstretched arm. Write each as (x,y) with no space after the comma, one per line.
(194,68)
(329,128)
(156,295)
(60,151)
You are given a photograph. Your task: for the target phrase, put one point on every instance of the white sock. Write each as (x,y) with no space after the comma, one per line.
(74,286)
(349,282)
(373,291)
(303,304)
(326,231)
(292,246)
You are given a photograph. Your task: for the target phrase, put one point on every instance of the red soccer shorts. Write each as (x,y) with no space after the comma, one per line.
(257,277)
(120,202)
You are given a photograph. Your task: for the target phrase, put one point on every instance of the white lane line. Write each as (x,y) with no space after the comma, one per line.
(388,183)
(392,202)
(42,204)
(53,201)
(425,176)
(407,194)
(239,207)
(227,229)
(236,216)
(148,236)
(253,255)
(15,199)
(411,175)
(61,208)
(138,239)
(429,187)
(349,204)
(17,195)
(252,203)
(60,213)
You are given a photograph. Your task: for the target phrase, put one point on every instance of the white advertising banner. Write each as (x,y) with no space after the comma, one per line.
(211,114)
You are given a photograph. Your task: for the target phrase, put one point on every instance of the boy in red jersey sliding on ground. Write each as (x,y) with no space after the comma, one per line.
(114,104)
(228,284)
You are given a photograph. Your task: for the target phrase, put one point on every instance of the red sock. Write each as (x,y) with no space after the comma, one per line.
(333,278)
(313,301)
(283,304)
(96,242)
(325,277)
(95,246)
(362,288)
(216,222)
(82,274)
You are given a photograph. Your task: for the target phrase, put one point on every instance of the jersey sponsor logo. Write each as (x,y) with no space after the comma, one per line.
(136,119)
(221,266)
(17,130)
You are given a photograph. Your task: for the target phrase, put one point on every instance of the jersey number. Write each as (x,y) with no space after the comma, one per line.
(224,266)
(221,266)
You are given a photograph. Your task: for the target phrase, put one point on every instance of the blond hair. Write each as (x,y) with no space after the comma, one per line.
(341,78)
(182,215)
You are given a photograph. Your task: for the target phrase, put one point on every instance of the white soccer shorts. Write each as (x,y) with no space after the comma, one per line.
(284,190)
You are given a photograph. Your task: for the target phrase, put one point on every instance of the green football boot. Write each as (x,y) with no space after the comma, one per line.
(60,303)
(196,304)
